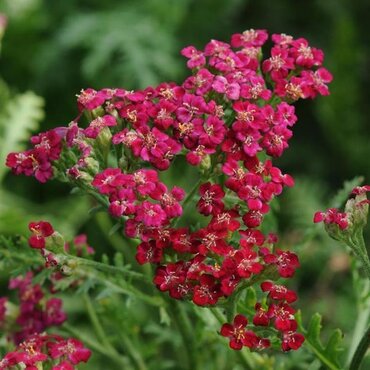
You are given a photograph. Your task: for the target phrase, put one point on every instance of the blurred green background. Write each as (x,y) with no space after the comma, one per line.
(53,49)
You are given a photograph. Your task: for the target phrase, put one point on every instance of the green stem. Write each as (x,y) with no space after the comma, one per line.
(320,355)
(360,351)
(363,314)
(181,319)
(99,331)
(232,306)
(361,322)
(187,200)
(364,256)
(136,355)
(130,291)
(94,345)
(70,260)
(359,249)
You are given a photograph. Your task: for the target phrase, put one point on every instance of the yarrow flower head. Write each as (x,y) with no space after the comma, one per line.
(340,225)
(47,351)
(230,118)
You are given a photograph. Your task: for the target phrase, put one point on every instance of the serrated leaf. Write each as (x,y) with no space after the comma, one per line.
(335,342)
(86,286)
(118,260)
(327,354)
(22,115)
(42,276)
(314,328)
(64,283)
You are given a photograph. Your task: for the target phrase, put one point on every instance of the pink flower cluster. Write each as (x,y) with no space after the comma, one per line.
(129,194)
(226,118)
(332,216)
(51,351)
(37,161)
(36,313)
(343,220)
(158,123)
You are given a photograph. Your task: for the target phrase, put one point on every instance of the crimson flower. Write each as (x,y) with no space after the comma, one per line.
(285,261)
(261,317)
(208,292)
(237,334)
(210,201)
(72,348)
(292,339)
(279,292)
(40,230)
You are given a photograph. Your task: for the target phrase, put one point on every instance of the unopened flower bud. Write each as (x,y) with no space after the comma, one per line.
(85,177)
(97,112)
(205,164)
(55,243)
(358,209)
(105,137)
(66,270)
(72,264)
(92,164)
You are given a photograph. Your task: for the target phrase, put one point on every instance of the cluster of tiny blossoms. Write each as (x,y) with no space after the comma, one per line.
(227,118)
(26,323)
(355,212)
(34,313)
(46,351)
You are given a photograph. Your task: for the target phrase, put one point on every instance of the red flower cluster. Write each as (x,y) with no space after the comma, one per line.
(37,162)
(51,351)
(226,118)
(128,194)
(343,220)
(160,122)
(332,216)
(240,337)
(35,312)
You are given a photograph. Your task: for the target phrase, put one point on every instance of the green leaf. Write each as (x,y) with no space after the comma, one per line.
(164,318)
(97,209)
(251,297)
(114,229)
(16,257)
(16,212)
(22,114)
(327,354)
(105,259)
(118,260)
(42,276)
